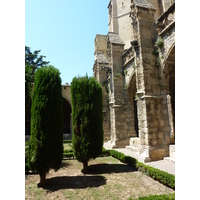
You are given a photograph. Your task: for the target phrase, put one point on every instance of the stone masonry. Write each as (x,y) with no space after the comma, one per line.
(135,64)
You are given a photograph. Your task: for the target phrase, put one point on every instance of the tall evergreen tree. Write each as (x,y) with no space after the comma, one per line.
(33,61)
(46,144)
(87,119)
(28,80)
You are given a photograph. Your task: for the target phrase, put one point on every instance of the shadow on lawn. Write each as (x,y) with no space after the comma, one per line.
(109,168)
(73,182)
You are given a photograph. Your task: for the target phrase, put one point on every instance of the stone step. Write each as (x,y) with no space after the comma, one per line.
(169,159)
(133,148)
(171,153)
(134,141)
(130,152)
(134,144)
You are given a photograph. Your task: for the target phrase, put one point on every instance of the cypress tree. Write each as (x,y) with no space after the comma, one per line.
(87,119)
(46,144)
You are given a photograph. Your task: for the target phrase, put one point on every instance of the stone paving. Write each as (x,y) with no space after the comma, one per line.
(167,165)
(164,165)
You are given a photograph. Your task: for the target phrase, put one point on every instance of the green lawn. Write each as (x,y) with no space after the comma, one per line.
(108,179)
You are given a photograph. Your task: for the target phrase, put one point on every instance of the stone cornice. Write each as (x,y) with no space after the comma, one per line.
(166,29)
(166,13)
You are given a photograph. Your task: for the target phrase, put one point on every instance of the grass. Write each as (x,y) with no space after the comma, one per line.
(108,179)
(67,146)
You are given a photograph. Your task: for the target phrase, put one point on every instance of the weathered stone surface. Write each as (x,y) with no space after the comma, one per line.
(114,38)
(66,93)
(135,85)
(157,154)
(172,151)
(101,58)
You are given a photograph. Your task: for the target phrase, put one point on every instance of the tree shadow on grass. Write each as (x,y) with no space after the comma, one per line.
(62,165)
(65,164)
(109,168)
(73,182)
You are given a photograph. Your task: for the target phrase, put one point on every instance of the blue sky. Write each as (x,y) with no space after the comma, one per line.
(65,32)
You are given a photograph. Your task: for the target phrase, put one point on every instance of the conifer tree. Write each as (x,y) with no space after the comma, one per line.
(87,119)
(46,144)
(33,61)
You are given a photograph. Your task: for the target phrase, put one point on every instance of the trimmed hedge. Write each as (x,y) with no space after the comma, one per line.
(68,151)
(68,154)
(120,156)
(158,175)
(131,161)
(105,152)
(123,158)
(159,197)
(67,141)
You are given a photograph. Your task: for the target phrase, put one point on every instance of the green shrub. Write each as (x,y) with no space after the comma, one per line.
(87,119)
(27,168)
(155,51)
(105,152)
(68,151)
(131,161)
(46,144)
(120,156)
(125,159)
(158,62)
(159,197)
(116,154)
(159,42)
(68,155)
(158,175)
(67,141)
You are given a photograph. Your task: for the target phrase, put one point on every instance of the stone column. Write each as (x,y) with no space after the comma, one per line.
(171,123)
(154,138)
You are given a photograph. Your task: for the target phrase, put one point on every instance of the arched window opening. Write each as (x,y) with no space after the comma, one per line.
(132,104)
(66,117)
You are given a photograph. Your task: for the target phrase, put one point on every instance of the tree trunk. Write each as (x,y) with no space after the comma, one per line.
(85,167)
(42,178)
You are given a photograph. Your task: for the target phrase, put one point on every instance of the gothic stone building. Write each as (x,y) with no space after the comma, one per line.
(135,64)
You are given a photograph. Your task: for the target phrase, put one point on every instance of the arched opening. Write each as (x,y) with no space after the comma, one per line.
(66,117)
(169,82)
(132,105)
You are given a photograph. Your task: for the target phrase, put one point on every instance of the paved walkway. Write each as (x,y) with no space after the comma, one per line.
(164,165)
